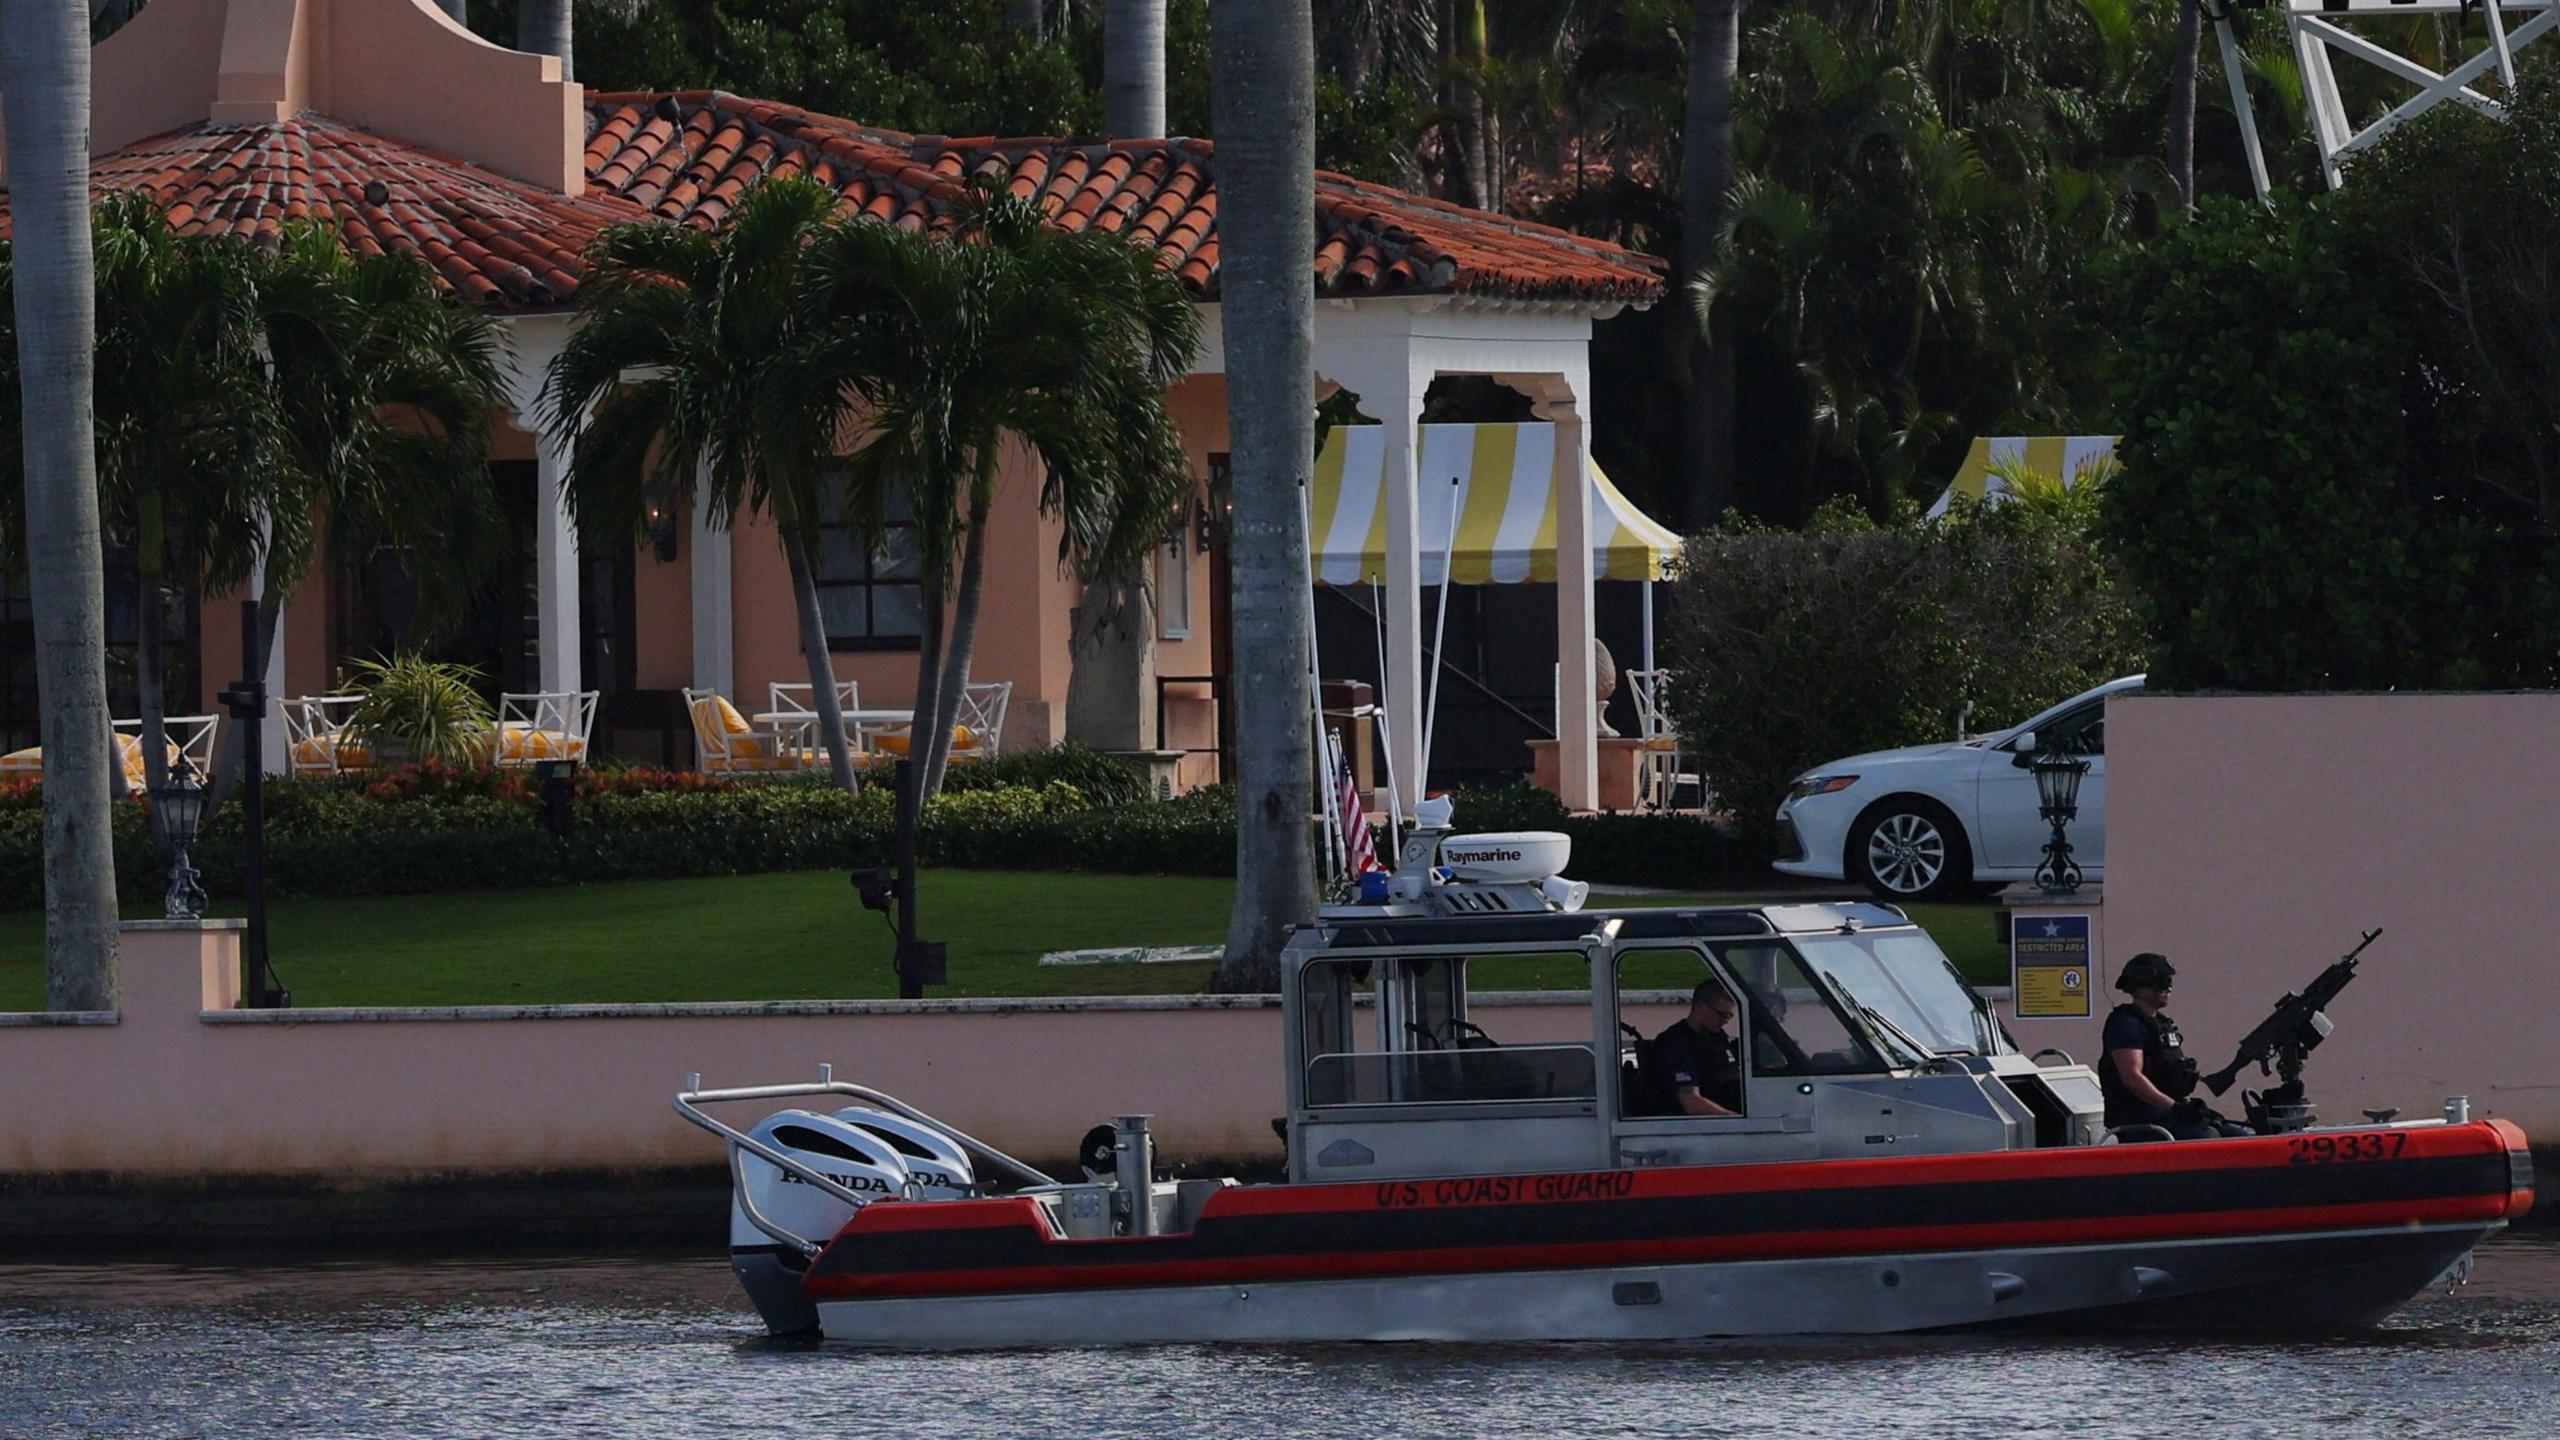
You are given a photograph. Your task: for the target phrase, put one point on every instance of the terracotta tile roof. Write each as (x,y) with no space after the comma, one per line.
(490,239)
(688,157)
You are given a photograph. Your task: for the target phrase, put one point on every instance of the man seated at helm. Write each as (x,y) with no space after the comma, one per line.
(1695,1058)
(2144,1071)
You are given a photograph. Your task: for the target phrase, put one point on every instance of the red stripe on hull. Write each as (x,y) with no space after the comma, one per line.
(1800,1245)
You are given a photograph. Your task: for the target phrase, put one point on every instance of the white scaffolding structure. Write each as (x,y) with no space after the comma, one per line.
(2320,34)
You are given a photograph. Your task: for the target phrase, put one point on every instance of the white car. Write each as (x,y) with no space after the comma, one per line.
(1936,820)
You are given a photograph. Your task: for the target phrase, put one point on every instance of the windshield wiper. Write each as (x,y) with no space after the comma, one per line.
(1889,1030)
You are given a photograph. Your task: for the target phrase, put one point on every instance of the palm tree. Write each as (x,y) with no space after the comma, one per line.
(543,28)
(1262,87)
(931,356)
(44,91)
(384,385)
(189,462)
(1133,69)
(666,385)
(1706,173)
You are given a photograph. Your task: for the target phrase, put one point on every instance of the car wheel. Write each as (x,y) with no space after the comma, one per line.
(1909,849)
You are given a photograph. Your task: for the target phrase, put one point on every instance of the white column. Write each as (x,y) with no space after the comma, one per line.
(1578,742)
(555,551)
(714,641)
(1555,397)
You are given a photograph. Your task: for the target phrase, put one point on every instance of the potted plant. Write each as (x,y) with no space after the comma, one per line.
(416,710)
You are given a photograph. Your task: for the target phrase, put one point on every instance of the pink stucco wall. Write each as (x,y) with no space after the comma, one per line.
(2251,838)
(166,1090)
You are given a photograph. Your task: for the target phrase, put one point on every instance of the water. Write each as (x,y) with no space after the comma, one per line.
(660,1347)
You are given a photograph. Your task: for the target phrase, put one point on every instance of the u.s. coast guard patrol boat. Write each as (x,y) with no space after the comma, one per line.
(1897,1164)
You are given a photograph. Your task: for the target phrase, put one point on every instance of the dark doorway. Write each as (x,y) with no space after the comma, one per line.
(381,612)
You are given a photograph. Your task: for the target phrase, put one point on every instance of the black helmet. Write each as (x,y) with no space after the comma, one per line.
(2147,969)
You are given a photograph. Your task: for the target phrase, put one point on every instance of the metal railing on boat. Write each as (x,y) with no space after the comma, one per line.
(693,1095)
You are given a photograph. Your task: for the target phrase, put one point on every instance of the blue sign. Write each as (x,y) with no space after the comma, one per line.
(2050,966)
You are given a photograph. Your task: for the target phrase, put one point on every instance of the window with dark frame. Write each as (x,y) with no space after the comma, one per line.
(870,599)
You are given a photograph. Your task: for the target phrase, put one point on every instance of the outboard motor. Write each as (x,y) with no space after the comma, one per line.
(875,1155)
(937,1166)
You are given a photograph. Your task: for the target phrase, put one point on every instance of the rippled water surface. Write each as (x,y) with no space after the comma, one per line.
(668,1347)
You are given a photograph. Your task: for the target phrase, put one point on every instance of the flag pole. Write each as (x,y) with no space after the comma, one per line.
(1386,740)
(1439,633)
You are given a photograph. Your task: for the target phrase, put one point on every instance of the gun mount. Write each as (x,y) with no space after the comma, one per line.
(2282,1041)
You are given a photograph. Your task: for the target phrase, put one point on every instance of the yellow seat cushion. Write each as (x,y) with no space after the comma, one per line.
(519,742)
(343,751)
(28,764)
(894,742)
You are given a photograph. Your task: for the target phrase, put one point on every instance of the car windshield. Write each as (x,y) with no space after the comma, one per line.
(1904,977)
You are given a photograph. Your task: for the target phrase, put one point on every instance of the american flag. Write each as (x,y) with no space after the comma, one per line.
(1359,848)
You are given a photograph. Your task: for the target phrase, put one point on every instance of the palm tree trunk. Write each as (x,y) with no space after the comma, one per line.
(822,669)
(148,643)
(902,846)
(1706,176)
(1262,65)
(44,90)
(543,28)
(964,640)
(2182,102)
(1133,69)
(1474,165)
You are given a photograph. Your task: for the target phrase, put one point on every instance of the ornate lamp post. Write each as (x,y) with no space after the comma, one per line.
(179,802)
(2058,801)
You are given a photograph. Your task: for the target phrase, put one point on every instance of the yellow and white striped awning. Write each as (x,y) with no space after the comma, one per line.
(2065,457)
(1506,509)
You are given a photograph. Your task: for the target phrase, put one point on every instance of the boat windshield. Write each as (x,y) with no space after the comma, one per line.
(1902,976)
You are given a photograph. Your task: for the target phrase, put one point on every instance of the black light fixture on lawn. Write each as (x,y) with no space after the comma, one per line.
(179,803)
(559,781)
(2058,801)
(246,702)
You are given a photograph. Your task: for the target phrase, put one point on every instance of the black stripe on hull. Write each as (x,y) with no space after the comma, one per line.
(2131,1196)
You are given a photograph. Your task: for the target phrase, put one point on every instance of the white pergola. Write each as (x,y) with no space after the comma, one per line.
(1387,351)
(2322,32)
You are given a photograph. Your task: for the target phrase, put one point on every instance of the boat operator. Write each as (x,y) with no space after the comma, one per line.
(1695,1057)
(2145,1072)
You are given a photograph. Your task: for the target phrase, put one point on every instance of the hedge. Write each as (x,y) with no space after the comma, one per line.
(335,840)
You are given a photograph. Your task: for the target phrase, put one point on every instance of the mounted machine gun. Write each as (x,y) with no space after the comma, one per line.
(2281,1042)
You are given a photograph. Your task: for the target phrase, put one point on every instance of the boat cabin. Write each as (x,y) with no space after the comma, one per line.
(1854,1036)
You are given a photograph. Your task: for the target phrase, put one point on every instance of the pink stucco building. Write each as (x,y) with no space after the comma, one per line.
(416,135)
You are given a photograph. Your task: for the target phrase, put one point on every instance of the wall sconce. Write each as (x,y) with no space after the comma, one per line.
(1218,511)
(662,531)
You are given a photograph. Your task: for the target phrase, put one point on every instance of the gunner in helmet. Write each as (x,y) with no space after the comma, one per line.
(2144,1070)
(1695,1058)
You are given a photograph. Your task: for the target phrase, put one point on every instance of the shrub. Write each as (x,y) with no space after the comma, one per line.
(2319,492)
(1792,648)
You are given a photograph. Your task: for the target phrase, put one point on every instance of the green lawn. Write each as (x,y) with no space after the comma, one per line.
(789,936)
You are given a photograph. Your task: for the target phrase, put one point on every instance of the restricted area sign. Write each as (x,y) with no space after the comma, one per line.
(2050,966)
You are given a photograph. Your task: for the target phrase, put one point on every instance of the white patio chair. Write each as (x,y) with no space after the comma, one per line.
(977,726)
(798,700)
(1663,775)
(725,744)
(190,742)
(317,740)
(543,725)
